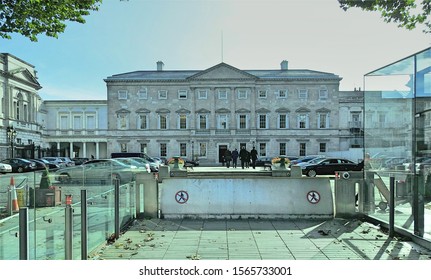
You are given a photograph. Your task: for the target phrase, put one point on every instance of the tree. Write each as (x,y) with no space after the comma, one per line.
(33,17)
(405,13)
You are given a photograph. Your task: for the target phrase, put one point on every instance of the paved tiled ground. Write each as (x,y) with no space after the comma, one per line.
(336,239)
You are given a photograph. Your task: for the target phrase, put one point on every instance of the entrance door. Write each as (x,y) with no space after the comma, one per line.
(221,151)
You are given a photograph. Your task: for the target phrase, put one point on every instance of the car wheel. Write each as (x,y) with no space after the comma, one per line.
(20,169)
(311,173)
(64,178)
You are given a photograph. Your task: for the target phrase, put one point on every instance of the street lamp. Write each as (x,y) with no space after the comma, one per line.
(11,135)
(193,150)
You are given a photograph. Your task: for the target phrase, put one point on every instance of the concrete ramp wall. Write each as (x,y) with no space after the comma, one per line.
(246,197)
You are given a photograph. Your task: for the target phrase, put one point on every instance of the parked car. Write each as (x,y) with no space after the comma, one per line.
(49,165)
(80,160)
(20,165)
(305,159)
(68,161)
(328,166)
(154,167)
(261,161)
(5,168)
(191,162)
(56,160)
(39,165)
(140,164)
(99,171)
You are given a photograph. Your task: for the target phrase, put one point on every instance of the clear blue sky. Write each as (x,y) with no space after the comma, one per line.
(125,36)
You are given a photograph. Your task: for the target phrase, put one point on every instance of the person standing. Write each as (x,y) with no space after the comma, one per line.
(228,157)
(243,156)
(247,159)
(253,157)
(235,155)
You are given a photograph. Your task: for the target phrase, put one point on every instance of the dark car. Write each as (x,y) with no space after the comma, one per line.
(261,161)
(49,165)
(39,165)
(80,160)
(191,162)
(328,166)
(20,165)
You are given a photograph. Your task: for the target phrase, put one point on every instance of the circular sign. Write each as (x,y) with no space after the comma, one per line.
(313,197)
(181,197)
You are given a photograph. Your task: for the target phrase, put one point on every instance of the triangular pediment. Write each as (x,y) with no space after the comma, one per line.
(222,71)
(23,75)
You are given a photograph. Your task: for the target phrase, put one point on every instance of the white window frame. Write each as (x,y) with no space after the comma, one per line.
(247,117)
(202,94)
(285,149)
(299,120)
(279,121)
(326,124)
(160,119)
(179,121)
(182,146)
(63,122)
(139,122)
(262,147)
(143,94)
(222,118)
(182,94)
(90,121)
(262,94)
(282,94)
(222,94)
(203,149)
(165,147)
(199,121)
(259,123)
(323,94)
(120,118)
(163,94)
(303,94)
(241,94)
(122,94)
(77,122)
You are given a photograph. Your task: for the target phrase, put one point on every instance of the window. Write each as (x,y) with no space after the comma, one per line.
(122,94)
(283,121)
(122,121)
(323,94)
(77,122)
(242,122)
(222,94)
(302,121)
(202,94)
(182,121)
(163,122)
(303,94)
(262,94)
(282,151)
(144,148)
(123,147)
(64,122)
(163,94)
(302,149)
(282,94)
(242,94)
(223,122)
(262,149)
(182,94)
(183,149)
(262,121)
(163,150)
(91,122)
(202,149)
(142,122)
(203,122)
(323,120)
(142,94)
(322,147)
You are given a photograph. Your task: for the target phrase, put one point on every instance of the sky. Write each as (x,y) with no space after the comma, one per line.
(127,36)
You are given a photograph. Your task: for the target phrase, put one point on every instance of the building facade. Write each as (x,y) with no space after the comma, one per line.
(20,105)
(203,113)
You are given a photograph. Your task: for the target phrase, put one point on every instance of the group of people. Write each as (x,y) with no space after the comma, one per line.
(247,158)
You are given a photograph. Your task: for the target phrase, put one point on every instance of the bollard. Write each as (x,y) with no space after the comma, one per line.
(68,234)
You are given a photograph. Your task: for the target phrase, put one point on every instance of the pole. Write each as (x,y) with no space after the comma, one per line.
(23,234)
(84,225)
(392,206)
(68,229)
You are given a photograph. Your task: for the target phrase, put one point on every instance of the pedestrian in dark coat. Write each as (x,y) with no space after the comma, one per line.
(243,156)
(253,157)
(235,156)
(228,157)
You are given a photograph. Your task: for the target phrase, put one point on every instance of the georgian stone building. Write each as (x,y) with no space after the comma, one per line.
(20,104)
(202,113)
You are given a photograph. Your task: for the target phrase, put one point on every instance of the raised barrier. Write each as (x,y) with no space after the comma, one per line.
(272,197)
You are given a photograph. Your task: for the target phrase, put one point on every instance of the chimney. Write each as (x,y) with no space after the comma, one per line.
(160,65)
(284,65)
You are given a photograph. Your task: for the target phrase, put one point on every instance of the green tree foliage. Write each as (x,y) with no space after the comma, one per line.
(33,17)
(406,13)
